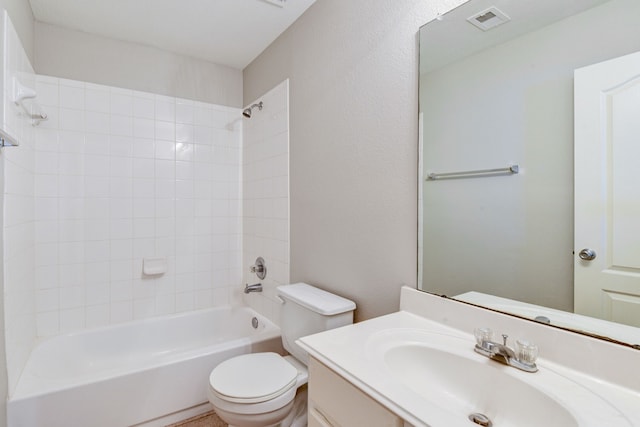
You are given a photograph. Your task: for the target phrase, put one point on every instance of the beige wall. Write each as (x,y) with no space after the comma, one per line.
(3,355)
(81,56)
(22,19)
(353,69)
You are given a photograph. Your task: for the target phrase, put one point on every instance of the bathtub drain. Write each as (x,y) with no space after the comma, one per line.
(254,323)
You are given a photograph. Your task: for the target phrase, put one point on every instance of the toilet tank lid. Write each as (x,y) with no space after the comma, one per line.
(315,299)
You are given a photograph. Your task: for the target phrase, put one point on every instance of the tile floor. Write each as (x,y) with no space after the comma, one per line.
(209,419)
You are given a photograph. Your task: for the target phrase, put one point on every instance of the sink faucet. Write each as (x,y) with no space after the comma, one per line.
(252,288)
(523,360)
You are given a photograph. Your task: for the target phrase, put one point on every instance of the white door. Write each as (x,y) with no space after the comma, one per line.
(607,190)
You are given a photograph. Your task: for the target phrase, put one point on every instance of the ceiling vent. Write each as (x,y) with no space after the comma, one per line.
(489,18)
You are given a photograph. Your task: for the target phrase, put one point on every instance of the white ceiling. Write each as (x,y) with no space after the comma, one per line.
(228,32)
(452,37)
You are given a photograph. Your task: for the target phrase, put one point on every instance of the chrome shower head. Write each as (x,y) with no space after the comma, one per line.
(247,111)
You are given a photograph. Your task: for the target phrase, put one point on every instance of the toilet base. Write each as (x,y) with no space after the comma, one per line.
(270,419)
(298,415)
(294,414)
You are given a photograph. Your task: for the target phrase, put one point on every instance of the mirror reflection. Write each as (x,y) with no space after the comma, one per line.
(507,91)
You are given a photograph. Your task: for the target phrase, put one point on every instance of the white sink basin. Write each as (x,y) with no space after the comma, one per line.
(426,372)
(464,386)
(448,376)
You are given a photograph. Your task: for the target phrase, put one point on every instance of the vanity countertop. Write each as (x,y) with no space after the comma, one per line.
(356,352)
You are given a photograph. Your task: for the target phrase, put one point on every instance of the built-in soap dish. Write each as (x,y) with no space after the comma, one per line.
(154,266)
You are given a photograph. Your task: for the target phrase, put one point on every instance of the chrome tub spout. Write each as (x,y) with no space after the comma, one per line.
(252,288)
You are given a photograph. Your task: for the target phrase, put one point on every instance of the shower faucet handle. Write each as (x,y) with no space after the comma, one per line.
(259,268)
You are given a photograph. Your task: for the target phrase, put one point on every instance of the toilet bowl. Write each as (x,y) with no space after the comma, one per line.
(256,390)
(267,389)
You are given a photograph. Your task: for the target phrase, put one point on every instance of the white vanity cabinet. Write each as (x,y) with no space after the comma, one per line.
(334,402)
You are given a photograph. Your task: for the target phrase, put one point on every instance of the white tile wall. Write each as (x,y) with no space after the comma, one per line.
(18,212)
(121,175)
(266,197)
(114,176)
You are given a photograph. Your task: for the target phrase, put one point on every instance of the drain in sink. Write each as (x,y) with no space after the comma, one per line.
(480,419)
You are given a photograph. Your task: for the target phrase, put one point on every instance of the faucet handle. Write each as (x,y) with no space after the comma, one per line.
(526,352)
(482,335)
(259,268)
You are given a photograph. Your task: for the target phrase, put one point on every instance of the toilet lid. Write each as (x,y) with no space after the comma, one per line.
(253,378)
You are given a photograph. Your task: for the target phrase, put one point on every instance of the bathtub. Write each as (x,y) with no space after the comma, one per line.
(136,372)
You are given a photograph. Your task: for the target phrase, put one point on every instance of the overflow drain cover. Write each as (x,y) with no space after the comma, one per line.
(480,419)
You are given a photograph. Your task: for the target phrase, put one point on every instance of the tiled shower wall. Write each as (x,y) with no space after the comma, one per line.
(266,197)
(18,211)
(120,176)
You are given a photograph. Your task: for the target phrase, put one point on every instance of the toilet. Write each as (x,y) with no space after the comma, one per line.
(266,389)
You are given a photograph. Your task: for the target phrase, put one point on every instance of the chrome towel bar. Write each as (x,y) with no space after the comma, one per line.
(513,169)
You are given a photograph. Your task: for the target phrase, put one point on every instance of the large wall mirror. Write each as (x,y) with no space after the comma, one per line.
(508,89)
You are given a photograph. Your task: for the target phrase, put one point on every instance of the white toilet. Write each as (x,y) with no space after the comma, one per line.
(266,389)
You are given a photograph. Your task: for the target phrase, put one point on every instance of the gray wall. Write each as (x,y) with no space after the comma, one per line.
(22,19)
(81,56)
(353,69)
(4,382)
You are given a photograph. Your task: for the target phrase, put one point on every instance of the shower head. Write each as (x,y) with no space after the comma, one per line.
(247,111)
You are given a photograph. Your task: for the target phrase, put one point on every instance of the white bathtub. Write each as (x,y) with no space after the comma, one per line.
(135,372)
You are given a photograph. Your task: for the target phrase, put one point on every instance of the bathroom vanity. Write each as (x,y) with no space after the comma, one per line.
(417,367)
(328,393)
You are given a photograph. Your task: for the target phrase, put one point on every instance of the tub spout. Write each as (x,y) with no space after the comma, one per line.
(252,288)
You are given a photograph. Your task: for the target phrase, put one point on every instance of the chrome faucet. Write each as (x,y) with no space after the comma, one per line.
(252,288)
(259,268)
(525,359)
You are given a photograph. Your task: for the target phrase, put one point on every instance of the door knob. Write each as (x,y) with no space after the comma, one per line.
(587,254)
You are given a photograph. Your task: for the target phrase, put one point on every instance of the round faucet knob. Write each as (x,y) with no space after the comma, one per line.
(527,352)
(482,335)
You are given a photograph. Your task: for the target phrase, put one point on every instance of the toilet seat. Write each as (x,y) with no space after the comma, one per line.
(253,378)
(255,383)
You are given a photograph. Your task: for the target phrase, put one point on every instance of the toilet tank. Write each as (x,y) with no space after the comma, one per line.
(307,310)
